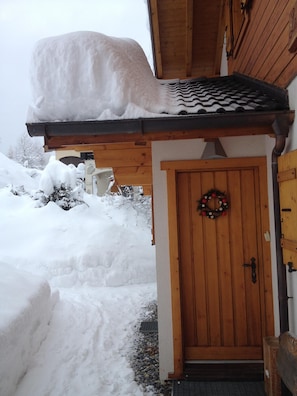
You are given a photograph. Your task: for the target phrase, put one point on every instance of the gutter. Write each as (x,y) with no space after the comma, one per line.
(158,124)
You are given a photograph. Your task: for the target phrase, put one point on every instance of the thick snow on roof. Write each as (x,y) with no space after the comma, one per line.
(89,76)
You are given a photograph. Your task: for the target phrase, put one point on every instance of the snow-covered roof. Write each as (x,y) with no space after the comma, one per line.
(86,76)
(90,76)
(88,83)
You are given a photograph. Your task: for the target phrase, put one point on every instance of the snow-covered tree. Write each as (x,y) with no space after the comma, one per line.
(28,152)
(61,184)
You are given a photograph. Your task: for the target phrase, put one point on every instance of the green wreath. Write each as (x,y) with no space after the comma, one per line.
(205,210)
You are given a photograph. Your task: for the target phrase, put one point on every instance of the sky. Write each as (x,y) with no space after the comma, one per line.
(83,277)
(23,23)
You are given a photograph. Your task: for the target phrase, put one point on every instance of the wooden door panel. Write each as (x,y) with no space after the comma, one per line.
(188,309)
(249,203)
(211,268)
(199,274)
(220,304)
(224,269)
(236,254)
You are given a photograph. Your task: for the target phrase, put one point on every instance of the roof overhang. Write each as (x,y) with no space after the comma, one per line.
(187,37)
(63,134)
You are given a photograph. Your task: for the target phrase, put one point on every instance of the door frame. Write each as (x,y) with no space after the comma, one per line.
(172,168)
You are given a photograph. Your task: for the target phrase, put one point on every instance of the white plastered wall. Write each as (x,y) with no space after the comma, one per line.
(249,146)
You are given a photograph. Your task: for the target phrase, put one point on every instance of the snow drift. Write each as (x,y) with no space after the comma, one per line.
(24,324)
(98,258)
(14,174)
(89,245)
(91,76)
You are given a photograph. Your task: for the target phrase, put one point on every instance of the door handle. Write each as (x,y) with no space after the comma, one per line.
(253,266)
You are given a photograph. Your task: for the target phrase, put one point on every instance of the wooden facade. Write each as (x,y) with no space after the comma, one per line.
(188,38)
(264,51)
(132,164)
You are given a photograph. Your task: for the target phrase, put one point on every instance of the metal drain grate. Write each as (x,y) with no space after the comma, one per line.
(149,327)
(187,388)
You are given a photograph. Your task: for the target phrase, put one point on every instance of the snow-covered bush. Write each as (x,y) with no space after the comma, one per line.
(139,208)
(18,190)
(60,183)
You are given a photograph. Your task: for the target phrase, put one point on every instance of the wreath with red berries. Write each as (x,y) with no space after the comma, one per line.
(220,210)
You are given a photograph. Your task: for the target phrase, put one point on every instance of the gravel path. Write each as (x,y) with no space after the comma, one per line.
(145,358)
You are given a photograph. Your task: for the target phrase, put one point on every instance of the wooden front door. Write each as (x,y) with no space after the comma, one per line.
(225,303)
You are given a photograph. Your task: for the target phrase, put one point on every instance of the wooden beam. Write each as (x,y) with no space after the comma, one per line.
(123,146)
(188,165)
(189,37)
(126,157)
(133,175)
(178,358)
(55,142)
(156,37)
(107,146)
(147,190)
(79,149)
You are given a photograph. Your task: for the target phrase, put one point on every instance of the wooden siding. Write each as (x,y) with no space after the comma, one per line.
(264,52)
(288,206)
(187,37)
(132,164)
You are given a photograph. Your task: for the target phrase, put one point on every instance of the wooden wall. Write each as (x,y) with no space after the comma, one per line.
(263,53)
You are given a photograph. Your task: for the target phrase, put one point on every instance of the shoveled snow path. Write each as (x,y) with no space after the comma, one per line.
(81,355)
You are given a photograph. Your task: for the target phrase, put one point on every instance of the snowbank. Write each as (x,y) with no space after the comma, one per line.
(83,252)
(91,76)
(103,242)
(14,174)
(26,308)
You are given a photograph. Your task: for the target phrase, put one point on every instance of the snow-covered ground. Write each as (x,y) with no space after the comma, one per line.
(72,287)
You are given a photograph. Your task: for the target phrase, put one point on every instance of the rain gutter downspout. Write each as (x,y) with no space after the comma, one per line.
(281,129)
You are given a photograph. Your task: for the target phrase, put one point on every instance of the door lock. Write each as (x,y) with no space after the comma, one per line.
(253,266)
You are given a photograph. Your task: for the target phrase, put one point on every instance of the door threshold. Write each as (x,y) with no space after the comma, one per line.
(224,371)
(222,361)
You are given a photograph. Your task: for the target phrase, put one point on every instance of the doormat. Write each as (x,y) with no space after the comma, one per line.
(196,388)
